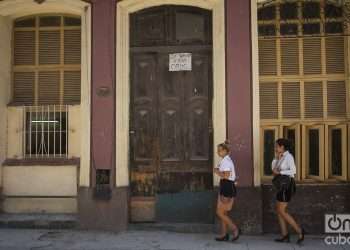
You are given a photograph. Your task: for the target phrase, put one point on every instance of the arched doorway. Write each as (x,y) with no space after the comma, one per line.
(171,114)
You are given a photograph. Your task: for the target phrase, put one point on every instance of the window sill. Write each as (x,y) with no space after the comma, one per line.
(17,104)
(42,162)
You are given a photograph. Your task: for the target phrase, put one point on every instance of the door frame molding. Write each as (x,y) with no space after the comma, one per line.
(124,9)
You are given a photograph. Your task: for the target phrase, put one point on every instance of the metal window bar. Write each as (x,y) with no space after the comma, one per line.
(39,131)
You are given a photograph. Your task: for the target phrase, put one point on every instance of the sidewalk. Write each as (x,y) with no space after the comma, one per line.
(18,239)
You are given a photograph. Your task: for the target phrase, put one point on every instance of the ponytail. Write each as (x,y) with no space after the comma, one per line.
(225,145)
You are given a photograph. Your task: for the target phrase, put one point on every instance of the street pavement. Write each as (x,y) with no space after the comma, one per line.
(21,239)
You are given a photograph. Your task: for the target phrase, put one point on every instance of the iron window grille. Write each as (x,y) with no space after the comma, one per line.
(46,131)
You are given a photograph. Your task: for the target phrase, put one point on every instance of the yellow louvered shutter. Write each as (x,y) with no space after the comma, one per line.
(312,56)
(72,86)
(23,89)
(24,48)
(47,60)
(336,98)
(49,47)
(49,87)
(289,57)
(291,100)
(335,55)
(267,57)
(313,97)
(72,46)
(269,100)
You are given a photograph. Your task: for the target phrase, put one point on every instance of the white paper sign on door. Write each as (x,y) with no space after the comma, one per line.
(180,62)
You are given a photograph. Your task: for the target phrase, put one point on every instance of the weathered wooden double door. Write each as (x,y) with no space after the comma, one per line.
(170,114)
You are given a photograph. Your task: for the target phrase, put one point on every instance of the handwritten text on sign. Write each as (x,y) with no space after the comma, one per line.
(180,62)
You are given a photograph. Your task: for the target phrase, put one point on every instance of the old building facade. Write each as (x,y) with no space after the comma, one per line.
(112,110)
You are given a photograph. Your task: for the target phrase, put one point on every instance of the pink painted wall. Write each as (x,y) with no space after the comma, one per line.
(239,87)
(103,76)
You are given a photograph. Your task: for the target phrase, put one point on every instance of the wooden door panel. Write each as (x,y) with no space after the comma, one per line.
(143,118)
(171,182)
(144,134)
(198,136)
(143,77)
(171,143)
(198,115)
(198,80)
(171,112)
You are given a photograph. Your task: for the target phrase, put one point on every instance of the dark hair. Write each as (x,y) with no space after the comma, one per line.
(284,142)
(225,145)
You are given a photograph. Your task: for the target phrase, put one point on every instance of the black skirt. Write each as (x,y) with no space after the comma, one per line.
(285,194)
(227,188)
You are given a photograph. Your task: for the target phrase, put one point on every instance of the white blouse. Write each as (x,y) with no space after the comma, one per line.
(226,165)
(286,165)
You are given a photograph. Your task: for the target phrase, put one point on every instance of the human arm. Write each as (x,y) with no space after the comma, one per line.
(274,164)
(222,174)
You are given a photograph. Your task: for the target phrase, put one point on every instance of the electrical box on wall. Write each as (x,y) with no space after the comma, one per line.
(102,190)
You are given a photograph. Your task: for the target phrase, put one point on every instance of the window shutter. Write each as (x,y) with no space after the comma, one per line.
(49,47)
(267,57)
(291,100)
(312,56)
(72,83)
(313,100)
(72,46)
(49,87)
(269,100)
(24,48)
(23,90)
(289,56)
(335,55)
(336,99)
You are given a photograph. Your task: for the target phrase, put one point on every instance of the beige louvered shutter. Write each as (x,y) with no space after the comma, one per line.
(24,48)
(267,57)
(49,87)
(269,100)
(49,47)
(289,57)
(312,56)
(72,46)
(72,83)
(313,97)
(291,100)
(336,99)
(23,88)
(335,55)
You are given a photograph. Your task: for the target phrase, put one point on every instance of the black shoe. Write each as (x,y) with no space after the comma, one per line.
(301,237)
(224,238)
(235,238)
(285,238)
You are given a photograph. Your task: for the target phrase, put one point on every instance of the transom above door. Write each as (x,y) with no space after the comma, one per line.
(171,25)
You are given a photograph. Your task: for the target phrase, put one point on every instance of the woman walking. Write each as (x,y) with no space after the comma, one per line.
(226,171)
(283,169)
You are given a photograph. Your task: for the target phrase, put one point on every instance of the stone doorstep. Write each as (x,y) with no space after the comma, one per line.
(39,221)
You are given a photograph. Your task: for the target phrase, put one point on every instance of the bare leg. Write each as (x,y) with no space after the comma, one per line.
(223,228)
(287,217)
(225,205)
(281,221)
(219,209)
